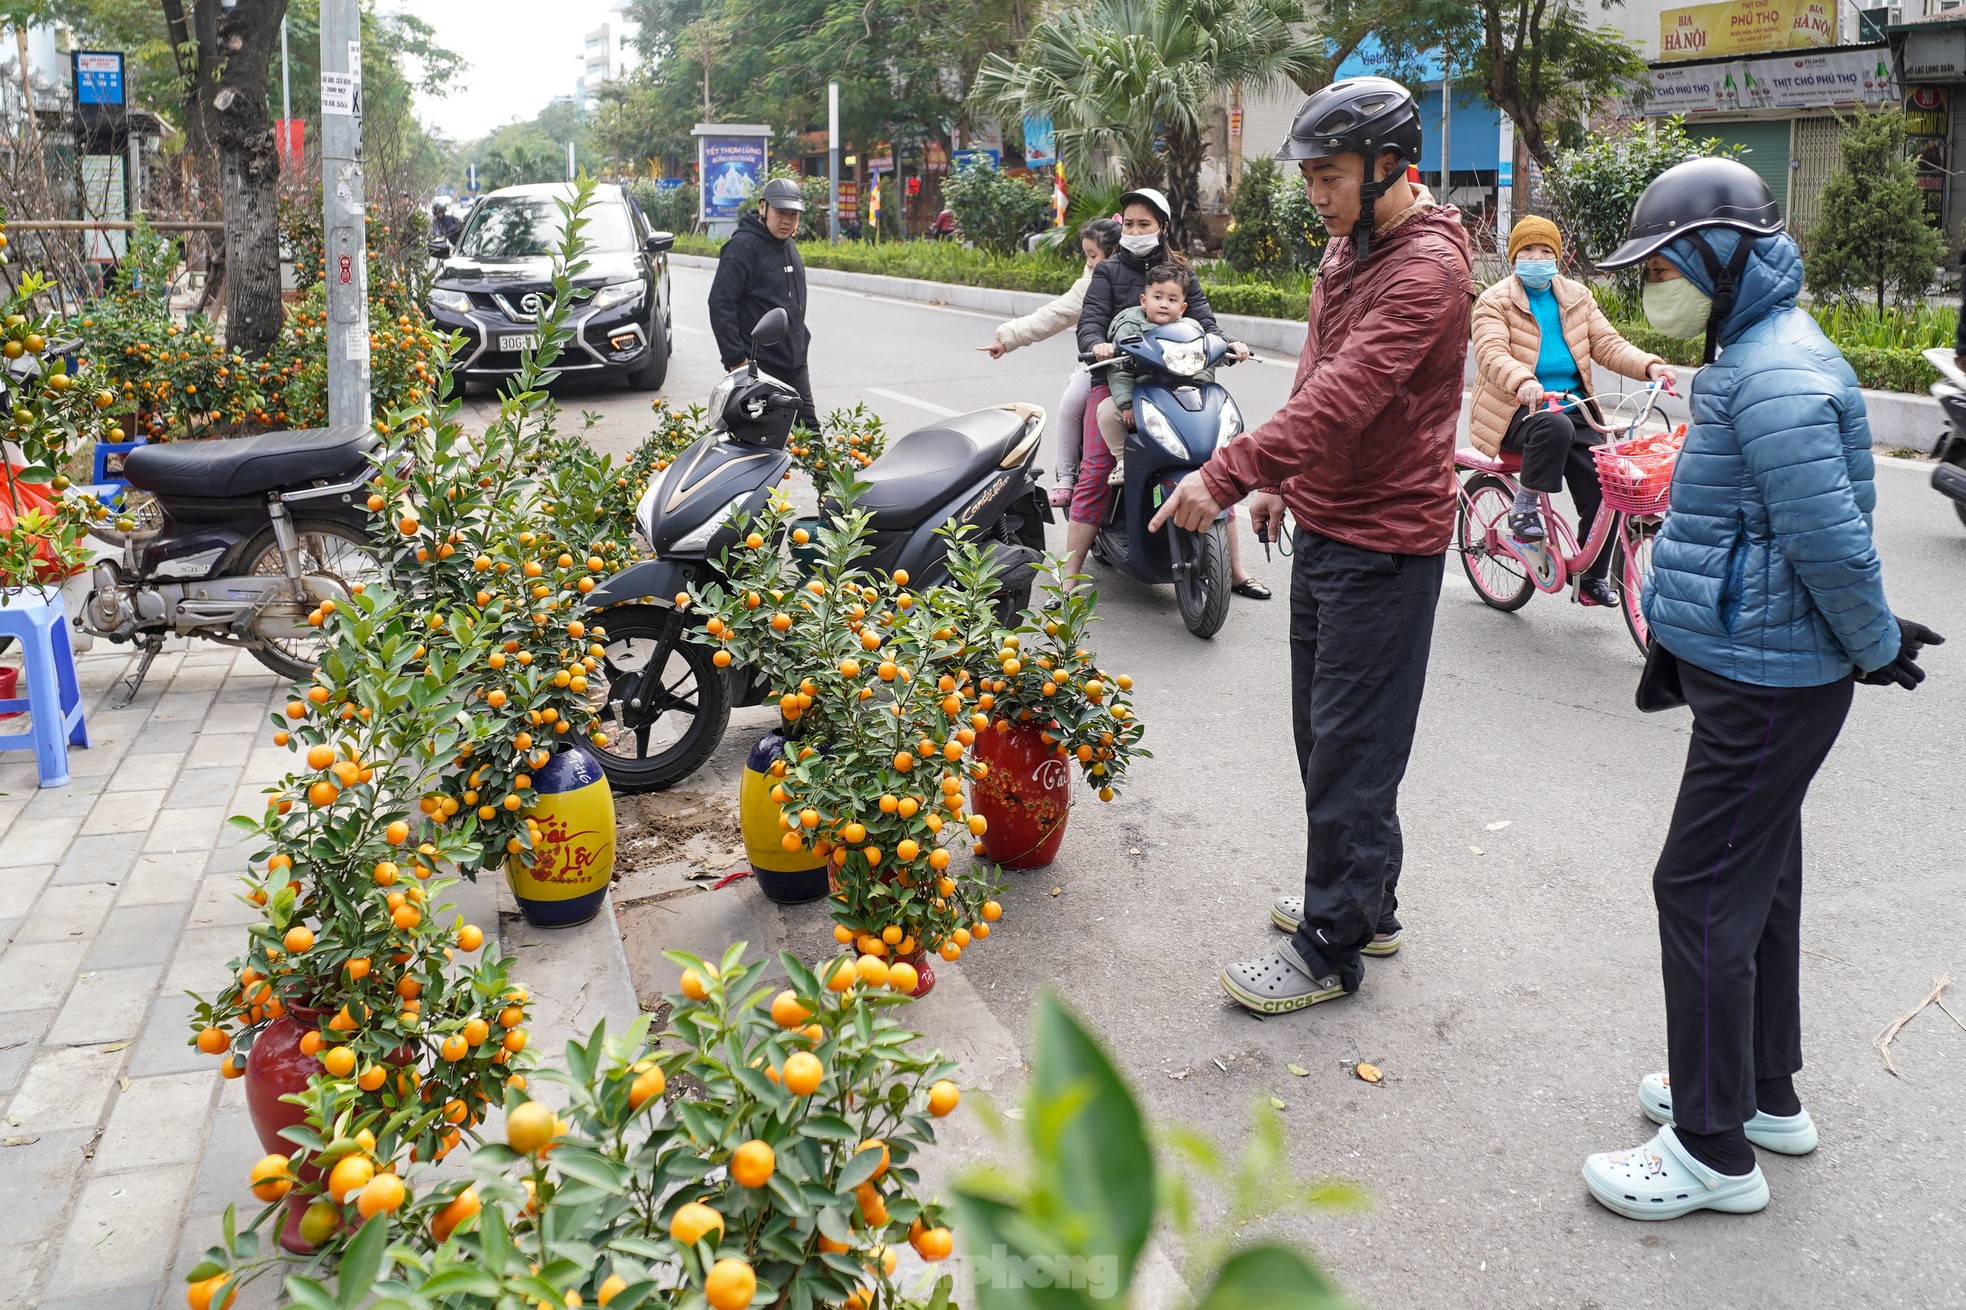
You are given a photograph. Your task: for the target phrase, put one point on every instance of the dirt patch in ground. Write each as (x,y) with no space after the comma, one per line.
(697,832)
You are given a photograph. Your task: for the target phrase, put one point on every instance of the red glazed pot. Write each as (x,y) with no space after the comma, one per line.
(277,1067)
(923,970)
(1026,796)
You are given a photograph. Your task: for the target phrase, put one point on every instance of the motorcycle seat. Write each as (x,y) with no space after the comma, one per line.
(919,472)
(229,468)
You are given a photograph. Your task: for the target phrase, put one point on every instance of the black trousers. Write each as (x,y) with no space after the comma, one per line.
(1361,626)
(1556,448)
(1729,890)
(808,417)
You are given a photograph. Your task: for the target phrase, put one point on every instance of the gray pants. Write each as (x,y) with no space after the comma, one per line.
(1068,427)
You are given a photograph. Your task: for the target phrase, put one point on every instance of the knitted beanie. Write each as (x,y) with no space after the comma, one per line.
(1533,230)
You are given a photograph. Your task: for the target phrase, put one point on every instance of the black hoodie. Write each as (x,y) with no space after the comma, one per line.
(757,273)
(1118,282)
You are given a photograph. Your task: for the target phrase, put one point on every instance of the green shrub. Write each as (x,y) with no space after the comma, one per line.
(994,209)
(1878,368)
(1257,299)
(673,210)
(1680,352)
(1256,243)
(1303,231)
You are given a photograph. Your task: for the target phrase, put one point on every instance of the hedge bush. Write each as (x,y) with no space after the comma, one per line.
(1878,368)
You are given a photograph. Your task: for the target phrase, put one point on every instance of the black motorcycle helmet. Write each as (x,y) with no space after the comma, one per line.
(1359,116)
(1691,196)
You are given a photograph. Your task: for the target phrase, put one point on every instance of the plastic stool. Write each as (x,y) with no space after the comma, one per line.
(39,622)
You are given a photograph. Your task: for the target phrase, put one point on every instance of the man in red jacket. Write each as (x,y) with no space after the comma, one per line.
(1362,454)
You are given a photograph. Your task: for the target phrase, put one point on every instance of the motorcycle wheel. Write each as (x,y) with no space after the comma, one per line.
(327,549)
(694,703)
(1203,591)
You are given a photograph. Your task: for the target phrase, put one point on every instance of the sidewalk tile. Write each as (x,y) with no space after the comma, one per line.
(231,1151)
(218,904)
(66,1087)
(77,798)
(100,858)
(234,714)
(270,764)
(38,975)
(122,1298)
(105,1007)
(147,772)
(164,1041)
(122,1231)
(99,761)
(10,810)
(209,786)
(41,1176)
(183,706)
(161,878)
(201,1233)
(136,934)
(19,888)
(200,963)
(160,1120)
(20,1034)
(38,843)
(182,831)
(66,913)
(219,750)
(124,811)
(166,737)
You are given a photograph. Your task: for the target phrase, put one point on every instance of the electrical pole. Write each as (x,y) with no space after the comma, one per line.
(344,213)
(833,155)
(286,96)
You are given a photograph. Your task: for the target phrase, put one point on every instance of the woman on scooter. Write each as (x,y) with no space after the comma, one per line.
(1097,240)
(1536,335)
(1118,284)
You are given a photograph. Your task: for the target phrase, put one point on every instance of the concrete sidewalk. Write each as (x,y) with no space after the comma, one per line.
(121,1146)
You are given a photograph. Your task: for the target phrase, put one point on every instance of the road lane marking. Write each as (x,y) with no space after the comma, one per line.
(928,405)
(917,304)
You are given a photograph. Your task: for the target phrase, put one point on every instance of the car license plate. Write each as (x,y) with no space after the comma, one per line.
(514,341)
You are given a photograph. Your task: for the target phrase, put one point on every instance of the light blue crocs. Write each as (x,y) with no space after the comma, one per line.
(1659,1180)
(1287,912)
(1793,1134)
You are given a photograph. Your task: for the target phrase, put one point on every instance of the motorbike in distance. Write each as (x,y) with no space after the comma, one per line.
(1177,425)
(1949,478)
(663,703)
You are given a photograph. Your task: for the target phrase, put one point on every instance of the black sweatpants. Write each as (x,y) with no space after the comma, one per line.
(808,417)
(1729,890)
(1556,447)
(1361,625)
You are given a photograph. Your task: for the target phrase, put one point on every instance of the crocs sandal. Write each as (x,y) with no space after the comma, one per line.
(1279,983)
(1792,1134)
(1286,912)
(1660,1180)
(1061,496)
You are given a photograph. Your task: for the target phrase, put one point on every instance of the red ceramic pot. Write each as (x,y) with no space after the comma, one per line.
(923,970)
(277,1067)
(1026,796)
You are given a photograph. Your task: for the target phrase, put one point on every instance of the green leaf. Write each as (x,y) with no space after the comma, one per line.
(361,1263)
(1299,1070)
(993,1234)
(1270,1277)
(460,1278)
(589,1168)
(1275,1104)
(308,1293)
(1098,1160)
(829,1128)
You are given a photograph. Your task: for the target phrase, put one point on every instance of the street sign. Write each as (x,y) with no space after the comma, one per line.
(99,77)
(471,178)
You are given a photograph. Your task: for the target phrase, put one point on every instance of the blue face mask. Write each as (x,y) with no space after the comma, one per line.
(1535,273)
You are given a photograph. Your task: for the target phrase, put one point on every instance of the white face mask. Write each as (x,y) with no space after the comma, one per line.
(1135,244)
(1676,308)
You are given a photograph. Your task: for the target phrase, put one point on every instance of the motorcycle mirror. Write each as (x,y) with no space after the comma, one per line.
(439,248)
(771,329)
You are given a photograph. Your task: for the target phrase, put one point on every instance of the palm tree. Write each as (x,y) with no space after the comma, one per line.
(1143,78)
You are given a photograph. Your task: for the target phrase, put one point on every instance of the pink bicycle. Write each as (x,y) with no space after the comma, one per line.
(1635,472)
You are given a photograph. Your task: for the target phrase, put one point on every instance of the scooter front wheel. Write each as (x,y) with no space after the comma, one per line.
(685,702)
(1202,589)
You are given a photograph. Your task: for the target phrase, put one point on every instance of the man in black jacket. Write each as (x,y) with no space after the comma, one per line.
(759,270)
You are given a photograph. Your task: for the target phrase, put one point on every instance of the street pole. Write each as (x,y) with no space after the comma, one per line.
(570,159)
(344,213)
(833,156)
(286,95)
(1446,117)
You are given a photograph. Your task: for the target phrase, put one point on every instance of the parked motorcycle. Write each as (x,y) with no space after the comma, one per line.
(1949,478)
(1176,426)
(664,704)
(250,535)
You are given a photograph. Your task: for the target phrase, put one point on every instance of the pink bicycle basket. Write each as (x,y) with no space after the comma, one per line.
(1637,474)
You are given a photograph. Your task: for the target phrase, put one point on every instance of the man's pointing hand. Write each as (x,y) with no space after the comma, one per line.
(1190,506)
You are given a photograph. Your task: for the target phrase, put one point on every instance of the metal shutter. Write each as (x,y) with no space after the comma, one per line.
(1767,150)
(1815,148)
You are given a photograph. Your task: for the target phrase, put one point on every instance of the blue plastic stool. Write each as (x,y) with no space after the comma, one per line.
(39,622)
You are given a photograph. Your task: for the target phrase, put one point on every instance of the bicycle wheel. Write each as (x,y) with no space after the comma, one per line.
(1634,562)
(1498,578)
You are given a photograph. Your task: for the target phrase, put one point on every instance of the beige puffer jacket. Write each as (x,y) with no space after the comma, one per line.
(1046,320)
(1507,341)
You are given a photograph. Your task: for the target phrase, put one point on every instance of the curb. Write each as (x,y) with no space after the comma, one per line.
(1898,419)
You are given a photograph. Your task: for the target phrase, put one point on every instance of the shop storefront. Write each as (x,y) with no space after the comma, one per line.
(1931,58)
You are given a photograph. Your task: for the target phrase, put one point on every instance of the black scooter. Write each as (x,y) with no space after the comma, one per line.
(666,703)
(1949,478)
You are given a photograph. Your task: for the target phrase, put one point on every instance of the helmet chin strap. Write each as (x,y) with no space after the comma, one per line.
(1726,283)
(1368,196)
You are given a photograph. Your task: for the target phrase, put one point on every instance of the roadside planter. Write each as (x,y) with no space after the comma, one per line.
(564,879)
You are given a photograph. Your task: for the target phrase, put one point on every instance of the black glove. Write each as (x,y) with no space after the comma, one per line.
(1904,670)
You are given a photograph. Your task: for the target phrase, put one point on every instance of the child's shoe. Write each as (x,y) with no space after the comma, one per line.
(1118,476)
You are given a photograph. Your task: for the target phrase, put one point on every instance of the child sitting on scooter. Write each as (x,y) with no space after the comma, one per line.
(1164,301)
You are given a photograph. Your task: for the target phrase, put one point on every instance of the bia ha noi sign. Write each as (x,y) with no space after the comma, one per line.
(1746,27)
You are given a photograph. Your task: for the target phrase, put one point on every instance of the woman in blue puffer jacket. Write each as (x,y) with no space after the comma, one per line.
(1766,588)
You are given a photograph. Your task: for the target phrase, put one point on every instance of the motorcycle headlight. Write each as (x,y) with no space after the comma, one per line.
(699,537)
(451,302)
(617,293)
(1154,425)
(719,397)
(1184,357)
(1230,426)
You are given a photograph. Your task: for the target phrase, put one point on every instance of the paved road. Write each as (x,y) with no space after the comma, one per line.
(1515,1024)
